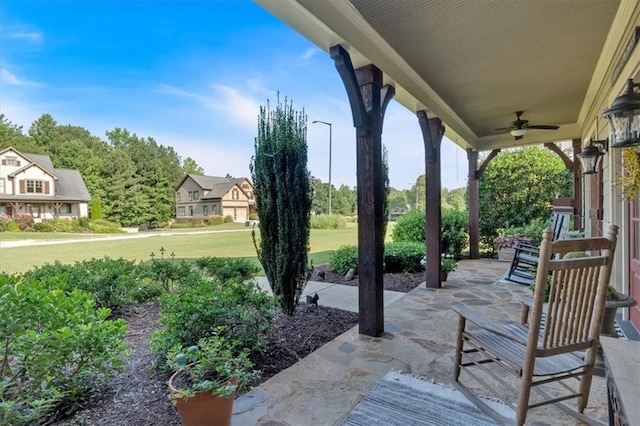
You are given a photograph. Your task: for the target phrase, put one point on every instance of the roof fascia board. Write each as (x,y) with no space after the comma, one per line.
(338,21)
(30,165)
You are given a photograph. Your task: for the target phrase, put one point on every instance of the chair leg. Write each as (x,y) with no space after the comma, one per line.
(459,344)
(525,389)
(585,380)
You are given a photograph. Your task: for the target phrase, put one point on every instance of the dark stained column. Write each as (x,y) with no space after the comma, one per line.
(475,174)
(368,100)
(432,133)
(574,167)
(577,185)
(474,205)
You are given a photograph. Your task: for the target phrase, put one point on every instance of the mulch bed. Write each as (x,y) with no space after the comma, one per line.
(401,281)
(138,396)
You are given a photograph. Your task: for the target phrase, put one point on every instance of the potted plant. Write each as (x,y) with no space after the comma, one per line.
(614,301)
(447,264)
(506,241)
(206,379)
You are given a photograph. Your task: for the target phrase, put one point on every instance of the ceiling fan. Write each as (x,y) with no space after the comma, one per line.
(519,127)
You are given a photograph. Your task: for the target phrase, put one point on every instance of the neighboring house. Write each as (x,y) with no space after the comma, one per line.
(204,196)
(30,184)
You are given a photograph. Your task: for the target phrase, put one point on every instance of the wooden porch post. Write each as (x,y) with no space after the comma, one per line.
(56,209)
(577,185)
(368,100)
(474,205)
(574,167)
(432,133)
(475,174)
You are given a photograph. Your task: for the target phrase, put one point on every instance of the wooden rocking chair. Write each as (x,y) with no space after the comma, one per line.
(557,344)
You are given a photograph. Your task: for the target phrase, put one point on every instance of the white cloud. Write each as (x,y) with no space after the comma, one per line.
(310,53)
(7,77)
(31,36)
(240,108)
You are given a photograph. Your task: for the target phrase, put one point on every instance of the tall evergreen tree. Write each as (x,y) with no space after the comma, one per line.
(283,199)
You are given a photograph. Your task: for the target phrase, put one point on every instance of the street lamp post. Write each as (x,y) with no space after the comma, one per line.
(330,127)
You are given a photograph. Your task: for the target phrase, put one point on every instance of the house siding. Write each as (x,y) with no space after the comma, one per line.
(225,205)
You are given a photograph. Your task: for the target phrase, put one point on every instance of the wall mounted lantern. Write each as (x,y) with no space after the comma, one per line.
(591,154)
(624,117)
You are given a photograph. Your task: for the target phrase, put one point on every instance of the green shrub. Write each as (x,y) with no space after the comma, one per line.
(228,268)
(13,226)
(325,221)
(404,256)
(410,227)
(343,259)
(193,312)
(168,274)
(455,231)
(149,290)
(56,347)
(102,226)
(216,220)
(228,219)
(253,216)
(109,280)
(534,230)
(4,222)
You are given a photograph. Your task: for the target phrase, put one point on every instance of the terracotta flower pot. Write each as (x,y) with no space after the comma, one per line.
(203,409)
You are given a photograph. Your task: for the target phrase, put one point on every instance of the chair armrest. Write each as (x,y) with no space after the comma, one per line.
(492,327)
(527,300)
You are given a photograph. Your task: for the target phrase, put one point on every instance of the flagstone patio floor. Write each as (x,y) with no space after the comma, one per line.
(419,339)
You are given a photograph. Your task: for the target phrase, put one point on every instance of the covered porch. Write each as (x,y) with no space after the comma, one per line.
(488,75)
(419,339)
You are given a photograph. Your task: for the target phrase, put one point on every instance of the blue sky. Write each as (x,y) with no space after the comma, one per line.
(191,75)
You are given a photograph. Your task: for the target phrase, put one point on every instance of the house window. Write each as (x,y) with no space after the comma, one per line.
(190,210)
(177,196)
(215,209)
(1,186)
(235,194)
(190,196)
(65,209)
(10,161)
(205,210)
(181,211)
(34,187)
(196,195)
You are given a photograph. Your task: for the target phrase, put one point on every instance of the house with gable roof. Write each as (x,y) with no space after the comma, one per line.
(30,184)
(203,196)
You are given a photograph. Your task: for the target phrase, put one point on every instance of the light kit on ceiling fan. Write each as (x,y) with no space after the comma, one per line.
(519,126)
(624,117)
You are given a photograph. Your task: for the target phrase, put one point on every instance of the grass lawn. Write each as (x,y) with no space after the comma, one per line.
(234,243)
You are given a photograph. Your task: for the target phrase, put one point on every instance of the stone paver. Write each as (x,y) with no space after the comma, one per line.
(419,339)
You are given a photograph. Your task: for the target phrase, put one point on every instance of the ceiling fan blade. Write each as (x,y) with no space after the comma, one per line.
(543,127)
(504,128)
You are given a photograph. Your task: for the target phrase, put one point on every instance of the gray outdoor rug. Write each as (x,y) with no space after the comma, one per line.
(401,400)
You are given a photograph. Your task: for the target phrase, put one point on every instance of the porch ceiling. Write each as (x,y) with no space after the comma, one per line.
(473,63)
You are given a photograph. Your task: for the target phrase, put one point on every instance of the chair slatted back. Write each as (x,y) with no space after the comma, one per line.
(559,222)
(577,290)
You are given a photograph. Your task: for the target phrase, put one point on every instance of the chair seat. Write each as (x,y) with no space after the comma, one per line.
(513,353)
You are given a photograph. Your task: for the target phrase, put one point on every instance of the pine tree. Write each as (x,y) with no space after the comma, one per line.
(283,199)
